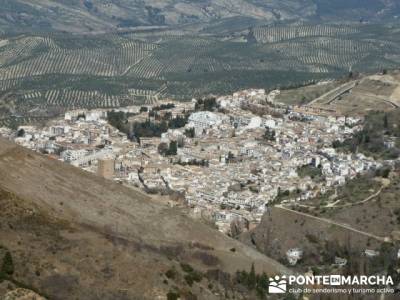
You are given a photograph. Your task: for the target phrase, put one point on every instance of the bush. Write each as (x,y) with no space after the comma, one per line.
(190,132)
(171,273)
(7,267)
(172,296)
(253,281)
(309,170)
(192,275)
(382,172)
(190,278)
(187,268)
(312,238)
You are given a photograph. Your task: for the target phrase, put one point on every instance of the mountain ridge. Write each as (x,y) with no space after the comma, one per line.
(97,15)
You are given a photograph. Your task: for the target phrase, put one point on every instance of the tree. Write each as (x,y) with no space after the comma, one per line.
(385,121)
(21,133)
(189,132)
(262,285)
(252,280)
(178,122)
(231,156)
(118,119)
(162,149)
(173,148)
(8,265)
(173,296)
(210,104)
(269,134)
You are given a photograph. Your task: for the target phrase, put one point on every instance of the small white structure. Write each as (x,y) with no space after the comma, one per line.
(255,122)
(95,115)
(71,155)
(294,255)
(133,176)
(371,253)
(270,123)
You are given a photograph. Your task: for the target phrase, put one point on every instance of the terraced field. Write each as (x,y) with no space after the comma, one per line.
(55,72)
(46,56)
(273,34)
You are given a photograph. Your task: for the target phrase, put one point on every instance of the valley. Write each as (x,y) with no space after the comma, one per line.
(196,150)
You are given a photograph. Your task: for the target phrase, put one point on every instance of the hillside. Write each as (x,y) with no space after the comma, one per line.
(358,94)
(119,241)
(361,215)
(97,15)
(100,15)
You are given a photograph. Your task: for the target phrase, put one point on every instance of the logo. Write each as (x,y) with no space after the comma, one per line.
(335,280)
(331,284)
(277,285)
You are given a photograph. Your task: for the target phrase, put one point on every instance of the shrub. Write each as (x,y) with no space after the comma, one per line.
(312,238)
(172,296)
(190,278)
(187,268)
(171,273)
(8,266)
(192,275)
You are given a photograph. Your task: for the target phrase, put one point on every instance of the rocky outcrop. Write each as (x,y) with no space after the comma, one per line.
(22,294)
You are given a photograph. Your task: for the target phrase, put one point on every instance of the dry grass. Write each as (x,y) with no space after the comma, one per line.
(88,234)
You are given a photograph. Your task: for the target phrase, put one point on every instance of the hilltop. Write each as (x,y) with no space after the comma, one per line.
(119,241)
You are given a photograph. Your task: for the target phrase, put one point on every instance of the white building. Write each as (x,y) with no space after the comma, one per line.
(205,120)
(71,155)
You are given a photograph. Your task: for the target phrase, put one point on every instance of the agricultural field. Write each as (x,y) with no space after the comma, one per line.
(59,71)
(274,34)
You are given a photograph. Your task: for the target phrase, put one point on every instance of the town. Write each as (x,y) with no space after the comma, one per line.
(226,158)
